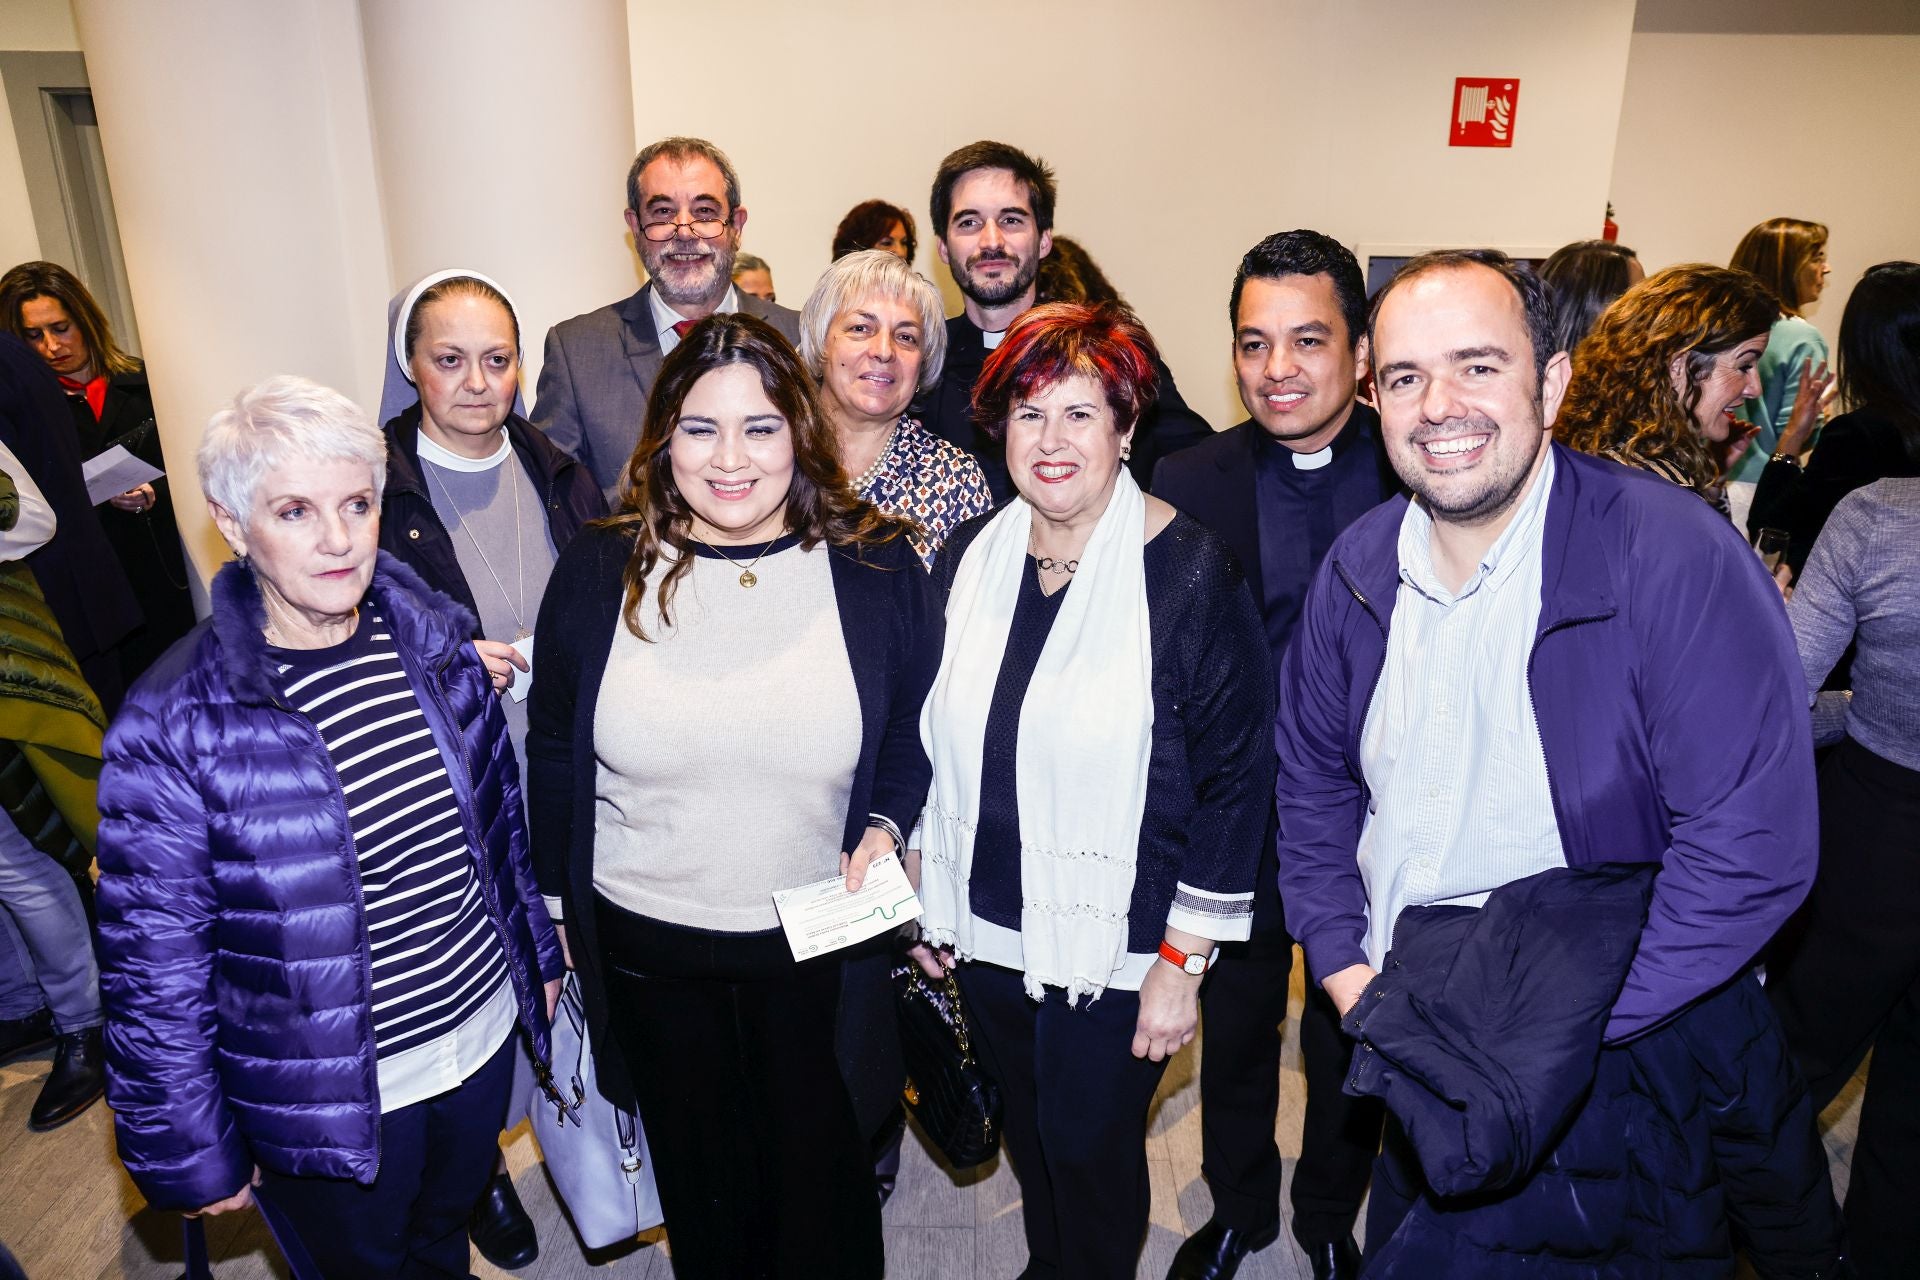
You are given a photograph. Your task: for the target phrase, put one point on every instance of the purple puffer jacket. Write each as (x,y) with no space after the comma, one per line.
(1671,710)
(234,961)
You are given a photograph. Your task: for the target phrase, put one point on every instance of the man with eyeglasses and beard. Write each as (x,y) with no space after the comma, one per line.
(992,208)
(684,210)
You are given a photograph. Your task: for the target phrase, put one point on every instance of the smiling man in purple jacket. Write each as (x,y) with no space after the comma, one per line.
(1542,660)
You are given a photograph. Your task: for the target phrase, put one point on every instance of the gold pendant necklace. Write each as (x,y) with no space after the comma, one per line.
(747,575)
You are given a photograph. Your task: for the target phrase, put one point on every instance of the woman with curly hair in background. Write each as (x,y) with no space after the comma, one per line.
(1659,378)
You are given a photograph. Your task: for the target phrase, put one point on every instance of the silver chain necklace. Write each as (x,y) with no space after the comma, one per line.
(517,607)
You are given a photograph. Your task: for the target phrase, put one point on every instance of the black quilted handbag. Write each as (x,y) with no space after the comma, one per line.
(956,1102)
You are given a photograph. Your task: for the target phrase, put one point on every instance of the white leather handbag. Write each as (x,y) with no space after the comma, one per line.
(596,1152)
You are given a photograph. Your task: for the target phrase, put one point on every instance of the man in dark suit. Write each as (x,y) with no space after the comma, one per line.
(1278,488)
(683,207)
(993,214)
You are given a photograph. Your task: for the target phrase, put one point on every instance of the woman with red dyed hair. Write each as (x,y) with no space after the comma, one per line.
(1101,733)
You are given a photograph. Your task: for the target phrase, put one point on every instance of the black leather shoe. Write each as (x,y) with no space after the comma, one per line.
(1214,1252)
(1334,1261)
(76,1082)
(500,1227)
(25,1035)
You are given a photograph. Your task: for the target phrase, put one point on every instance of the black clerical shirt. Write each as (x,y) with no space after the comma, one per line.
(1302,502)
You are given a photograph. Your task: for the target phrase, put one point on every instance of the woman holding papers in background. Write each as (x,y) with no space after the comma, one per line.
(726,704)
(1101,734)
(47,307)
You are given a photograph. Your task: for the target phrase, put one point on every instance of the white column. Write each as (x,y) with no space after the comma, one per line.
(240,152)
(503,133)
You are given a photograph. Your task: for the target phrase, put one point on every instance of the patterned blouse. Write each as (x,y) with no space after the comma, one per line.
(1666,469)
(930,481)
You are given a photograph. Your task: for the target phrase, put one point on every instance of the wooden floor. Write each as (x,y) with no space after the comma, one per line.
(68,1211)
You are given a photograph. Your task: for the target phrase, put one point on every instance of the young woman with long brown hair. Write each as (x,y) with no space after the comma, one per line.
(726,703)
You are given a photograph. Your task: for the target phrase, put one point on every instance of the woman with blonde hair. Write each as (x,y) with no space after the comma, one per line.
(874,335)
(1789,255)
(1659,378)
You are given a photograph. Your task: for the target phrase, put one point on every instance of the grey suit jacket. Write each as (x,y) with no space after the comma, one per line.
(599,370)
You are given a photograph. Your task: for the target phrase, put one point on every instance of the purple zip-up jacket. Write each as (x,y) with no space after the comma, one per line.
(233,947)
(1671,710)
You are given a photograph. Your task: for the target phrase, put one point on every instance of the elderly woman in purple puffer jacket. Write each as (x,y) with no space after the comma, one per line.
(318,926)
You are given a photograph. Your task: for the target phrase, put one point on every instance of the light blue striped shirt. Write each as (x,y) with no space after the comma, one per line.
(1459,799)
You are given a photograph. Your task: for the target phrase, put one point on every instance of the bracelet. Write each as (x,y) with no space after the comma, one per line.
(889,826)
(1791,459)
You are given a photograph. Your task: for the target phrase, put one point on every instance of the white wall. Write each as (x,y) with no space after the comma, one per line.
(1181,134)
(505,192)
(241,156)
(1720,132)
(25,26)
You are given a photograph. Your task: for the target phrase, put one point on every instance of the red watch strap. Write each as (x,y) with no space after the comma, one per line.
(1172,954)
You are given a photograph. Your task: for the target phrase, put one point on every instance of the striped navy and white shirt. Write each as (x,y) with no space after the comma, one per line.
(1460,803)
(439,972)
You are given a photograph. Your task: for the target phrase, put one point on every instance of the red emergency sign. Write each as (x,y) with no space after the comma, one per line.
(1483,110)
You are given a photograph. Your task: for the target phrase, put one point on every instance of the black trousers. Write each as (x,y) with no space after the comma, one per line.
(1846,978)
(762,1168)
(411,1223)
(1074,1119)
(1243,1007)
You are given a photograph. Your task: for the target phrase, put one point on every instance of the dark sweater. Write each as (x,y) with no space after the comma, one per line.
(1855,449)
(413,531)
(1210,768)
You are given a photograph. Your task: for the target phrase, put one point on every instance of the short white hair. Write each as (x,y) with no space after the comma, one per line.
(874,273)
(272,423)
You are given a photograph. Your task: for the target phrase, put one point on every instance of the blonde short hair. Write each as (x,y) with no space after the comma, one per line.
(874,273)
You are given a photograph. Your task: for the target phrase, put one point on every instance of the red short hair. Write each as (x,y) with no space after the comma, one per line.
(1051,343)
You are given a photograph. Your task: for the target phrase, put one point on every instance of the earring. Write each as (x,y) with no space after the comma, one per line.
(1126,450)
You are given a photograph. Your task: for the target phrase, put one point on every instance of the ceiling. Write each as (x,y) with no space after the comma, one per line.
(1779,17)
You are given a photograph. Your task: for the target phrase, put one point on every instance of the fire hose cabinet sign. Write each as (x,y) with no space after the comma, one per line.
(1483,111)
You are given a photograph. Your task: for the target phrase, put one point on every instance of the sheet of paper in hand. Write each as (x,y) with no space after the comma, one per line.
(823,916)
(113,472)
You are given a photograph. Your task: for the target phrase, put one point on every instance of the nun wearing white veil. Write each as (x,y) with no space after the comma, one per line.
(479,503)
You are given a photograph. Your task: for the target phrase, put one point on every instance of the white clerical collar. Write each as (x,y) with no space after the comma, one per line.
(991,340)
(441,456)
(1312,461)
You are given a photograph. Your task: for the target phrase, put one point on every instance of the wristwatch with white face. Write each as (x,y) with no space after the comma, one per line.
(1193,962)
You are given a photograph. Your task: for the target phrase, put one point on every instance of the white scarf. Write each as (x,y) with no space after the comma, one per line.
(1086,729)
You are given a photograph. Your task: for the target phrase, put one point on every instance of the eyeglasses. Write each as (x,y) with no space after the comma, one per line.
(705,229)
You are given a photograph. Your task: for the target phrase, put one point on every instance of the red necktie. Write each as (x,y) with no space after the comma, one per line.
(680,327)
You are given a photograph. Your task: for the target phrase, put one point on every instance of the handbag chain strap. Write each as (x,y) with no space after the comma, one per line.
(959,1022)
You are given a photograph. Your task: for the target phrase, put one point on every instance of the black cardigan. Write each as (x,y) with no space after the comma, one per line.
(412,530)
(893,626)
(1210,768)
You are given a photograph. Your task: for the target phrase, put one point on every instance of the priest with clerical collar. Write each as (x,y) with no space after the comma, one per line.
(1279,487)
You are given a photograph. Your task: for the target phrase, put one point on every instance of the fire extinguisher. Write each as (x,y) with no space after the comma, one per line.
(1610,230)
